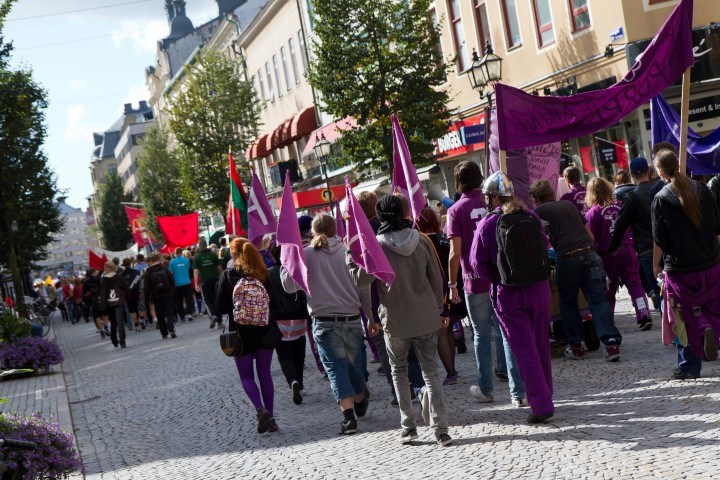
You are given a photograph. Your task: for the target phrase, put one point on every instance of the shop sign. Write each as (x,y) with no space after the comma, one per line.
(450,141)
(616,34)
(606,153)
(699,109)
(463,136)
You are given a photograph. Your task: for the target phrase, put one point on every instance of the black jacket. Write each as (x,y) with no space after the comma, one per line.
(113,291)
(283,305)
(686,248)
(132,279)
(150,295)
(635,212)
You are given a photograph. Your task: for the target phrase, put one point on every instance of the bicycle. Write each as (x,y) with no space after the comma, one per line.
(38,313)
(14,445)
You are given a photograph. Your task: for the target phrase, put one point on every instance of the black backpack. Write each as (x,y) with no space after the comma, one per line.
(523,257)
(159,281)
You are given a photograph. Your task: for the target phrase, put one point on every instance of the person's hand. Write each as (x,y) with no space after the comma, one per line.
(454,295)
(197,288)
(444,321)
(657,270)
(373,329)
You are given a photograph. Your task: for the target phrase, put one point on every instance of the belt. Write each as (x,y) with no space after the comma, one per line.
(575,253)
(339,318)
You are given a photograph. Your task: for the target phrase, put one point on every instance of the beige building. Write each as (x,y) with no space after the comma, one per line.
(128,149)
(561,47)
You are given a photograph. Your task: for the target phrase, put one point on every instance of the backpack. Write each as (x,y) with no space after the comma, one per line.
(523,258)
(251,303)
(159,281)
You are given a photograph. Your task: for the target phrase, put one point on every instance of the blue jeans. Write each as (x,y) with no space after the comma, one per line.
(586,272)
(339,345)
(506,362)
(646,263)
(480,311)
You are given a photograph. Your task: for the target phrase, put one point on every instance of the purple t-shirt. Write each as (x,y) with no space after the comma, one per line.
(576,196)
(601,221)
(462,220)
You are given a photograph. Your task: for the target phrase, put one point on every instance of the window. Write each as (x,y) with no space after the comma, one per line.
(112,169)
(303,52)
(440,60)
(579,14)
(512,27)
(271,89)
(543,22)
(283,57)
(276,69)
(458,35)
(293,57)
(262,84)
(483,26)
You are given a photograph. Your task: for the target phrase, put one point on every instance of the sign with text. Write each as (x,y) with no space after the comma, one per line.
(464,136)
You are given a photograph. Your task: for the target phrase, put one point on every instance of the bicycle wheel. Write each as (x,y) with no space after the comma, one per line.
(45,322)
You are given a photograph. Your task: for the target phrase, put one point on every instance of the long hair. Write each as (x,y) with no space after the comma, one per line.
(428,221)
(512,205)
(323,228)
(599,192)
(248,259)
(667,162)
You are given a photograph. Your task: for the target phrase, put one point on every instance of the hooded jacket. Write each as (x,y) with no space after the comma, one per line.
(113,291)
(413,305)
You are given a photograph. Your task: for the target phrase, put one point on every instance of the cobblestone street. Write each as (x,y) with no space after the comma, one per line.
(174,409)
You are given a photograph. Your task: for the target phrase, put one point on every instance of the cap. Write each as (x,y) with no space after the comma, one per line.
(498,184)
(638,165)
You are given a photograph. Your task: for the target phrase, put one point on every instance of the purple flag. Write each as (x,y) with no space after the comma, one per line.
(404,174)
(525,120)
(339,223)
(261,219)
(292,256)
(362,243)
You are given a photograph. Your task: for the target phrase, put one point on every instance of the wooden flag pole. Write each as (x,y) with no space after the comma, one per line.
(684,111)
(503,166)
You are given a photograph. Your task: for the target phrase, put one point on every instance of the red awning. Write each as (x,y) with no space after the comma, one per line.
(251,152)
(332,132)
(286,137)
(276,137)
(303,123)
(261,149)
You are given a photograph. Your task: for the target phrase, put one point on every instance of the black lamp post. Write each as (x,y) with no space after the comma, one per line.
(485,72)
(322,150)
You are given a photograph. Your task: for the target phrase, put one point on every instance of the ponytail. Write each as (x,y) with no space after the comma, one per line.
(667,162)
(319,242)
(323,228)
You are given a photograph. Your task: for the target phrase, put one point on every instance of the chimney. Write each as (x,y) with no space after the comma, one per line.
(128,108)
(228,6)
(170,9)
(143,105)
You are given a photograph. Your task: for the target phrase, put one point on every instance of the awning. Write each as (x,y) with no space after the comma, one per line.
(251,152)
(379,185)
(261,146)
(303,123)
(331,131)
(276,138)
(286,137)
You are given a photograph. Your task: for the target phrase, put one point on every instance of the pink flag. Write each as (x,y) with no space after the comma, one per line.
(339,222)
(261,219)
(292,256)
(404,174)
(362,243)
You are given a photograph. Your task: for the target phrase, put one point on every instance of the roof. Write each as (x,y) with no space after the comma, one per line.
(65,209)
(106,141)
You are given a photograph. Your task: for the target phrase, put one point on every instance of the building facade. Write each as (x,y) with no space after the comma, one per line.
(68,253)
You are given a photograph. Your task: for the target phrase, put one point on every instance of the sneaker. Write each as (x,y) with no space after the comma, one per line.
(408,435)
(263,416)
(212,322)
(424,405)
(612,353)
(535,419)
(137,328)
(678,374)
(519,402)
(478,395)
(361,408)
(296,395)
(575,352)
(272,425)
(189,318)
(348,427)
(502,376)
(450,380)
(444,440)
(645,324)
(710,344)
(173,335)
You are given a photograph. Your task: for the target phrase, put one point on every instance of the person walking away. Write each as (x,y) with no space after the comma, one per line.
(576,194)
(62,304)
(206,271)
(334,307)
(686,223)
(622,264)
(92,289)
(290,312)
(510,249)
(578,267)
(180,268)
(244,295)
(140,263)
(132,280)
(159,293)
(113,295)
(623,185)
(412,312)
(77,300)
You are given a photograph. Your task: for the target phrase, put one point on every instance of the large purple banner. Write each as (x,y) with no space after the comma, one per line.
(525,120)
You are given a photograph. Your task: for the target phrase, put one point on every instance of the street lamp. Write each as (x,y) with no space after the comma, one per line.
(322,151)
(485,72)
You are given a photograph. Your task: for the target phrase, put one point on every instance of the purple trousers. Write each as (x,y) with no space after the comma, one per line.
(524,315)
(623,265)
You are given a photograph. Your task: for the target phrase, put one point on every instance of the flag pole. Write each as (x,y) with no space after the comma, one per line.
(503,166)
(232,210)
(684,113)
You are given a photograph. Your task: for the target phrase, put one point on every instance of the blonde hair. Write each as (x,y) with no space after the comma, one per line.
(248,259)
(666,162)
(323,228)
(599,192)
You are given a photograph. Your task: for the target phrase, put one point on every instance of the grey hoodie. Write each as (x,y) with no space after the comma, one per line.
(413,304)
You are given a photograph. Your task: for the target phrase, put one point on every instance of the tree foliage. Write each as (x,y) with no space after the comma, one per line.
(375,58)
(215,109)
(113,220)
(159,179)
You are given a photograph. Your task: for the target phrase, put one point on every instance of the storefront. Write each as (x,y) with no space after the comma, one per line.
(465,140)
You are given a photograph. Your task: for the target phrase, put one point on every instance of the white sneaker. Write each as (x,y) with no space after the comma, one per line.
(476,393)
(519,402)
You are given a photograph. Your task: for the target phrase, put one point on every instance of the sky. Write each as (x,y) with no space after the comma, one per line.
(91,63)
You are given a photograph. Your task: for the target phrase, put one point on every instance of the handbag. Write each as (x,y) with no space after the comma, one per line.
(231,343)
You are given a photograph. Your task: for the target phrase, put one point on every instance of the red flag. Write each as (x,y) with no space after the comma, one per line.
(136,219)
(179,231)
(233,225)
(96,262)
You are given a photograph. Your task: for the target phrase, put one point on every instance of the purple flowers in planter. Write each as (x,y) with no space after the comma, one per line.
(54,457)
(30,352)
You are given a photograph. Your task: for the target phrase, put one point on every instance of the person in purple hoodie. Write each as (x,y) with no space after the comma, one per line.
(623,263)
(523,310)
(576,194)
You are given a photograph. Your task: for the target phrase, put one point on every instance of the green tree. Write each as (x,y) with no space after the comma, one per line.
(27,185)
(159,179)
(375,58)
(215,109)
(113,220)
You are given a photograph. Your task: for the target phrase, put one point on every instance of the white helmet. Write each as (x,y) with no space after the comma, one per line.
(498,184)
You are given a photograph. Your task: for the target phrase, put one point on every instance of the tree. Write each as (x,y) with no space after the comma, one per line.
(27,185)
(113,220)
(375,58)
(214,110)
(159,179)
